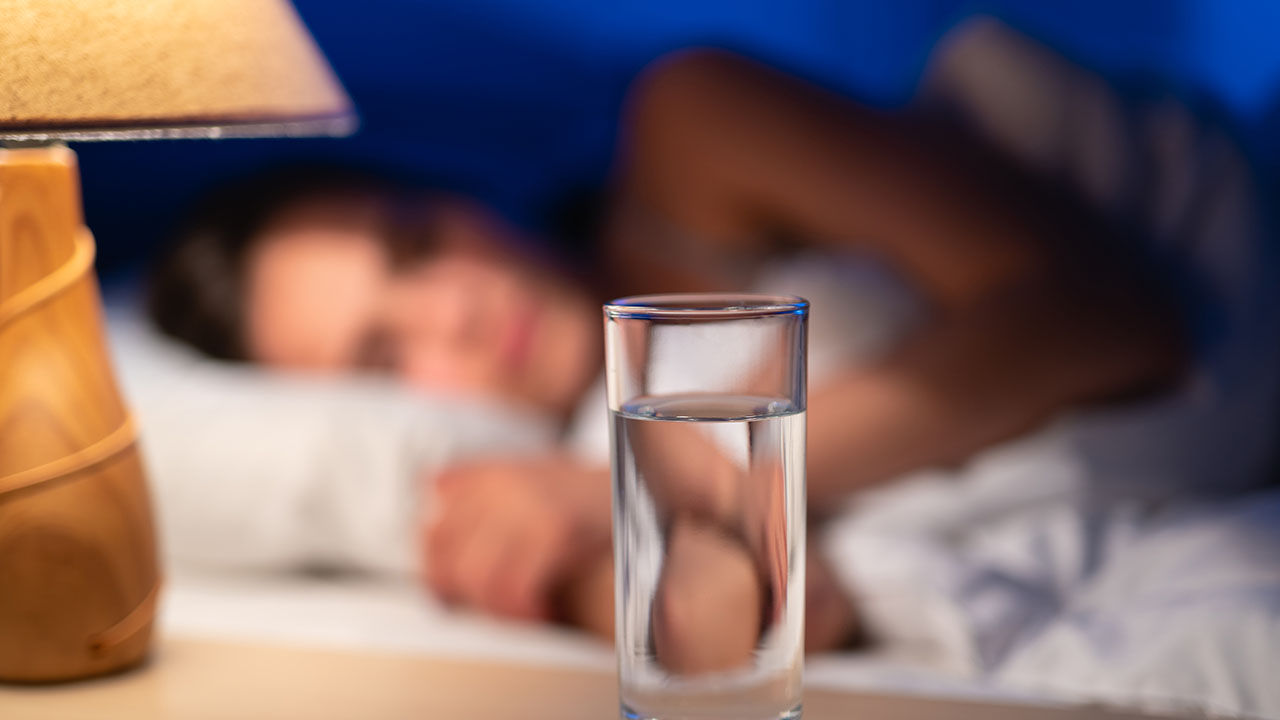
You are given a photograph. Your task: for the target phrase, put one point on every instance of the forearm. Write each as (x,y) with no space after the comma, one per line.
(874,426)
(972,379)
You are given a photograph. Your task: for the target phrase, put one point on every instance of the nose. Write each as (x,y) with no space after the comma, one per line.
(450,314)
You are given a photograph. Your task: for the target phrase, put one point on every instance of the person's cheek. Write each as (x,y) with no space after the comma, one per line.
(560,354)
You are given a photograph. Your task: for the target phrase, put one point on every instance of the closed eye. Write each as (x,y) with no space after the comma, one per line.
(376,351)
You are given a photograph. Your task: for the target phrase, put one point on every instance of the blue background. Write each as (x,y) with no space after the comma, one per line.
(516,101)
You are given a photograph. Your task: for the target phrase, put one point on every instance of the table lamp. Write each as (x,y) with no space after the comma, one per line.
(78,569)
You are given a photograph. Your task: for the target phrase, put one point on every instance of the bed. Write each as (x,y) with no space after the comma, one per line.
(287,509)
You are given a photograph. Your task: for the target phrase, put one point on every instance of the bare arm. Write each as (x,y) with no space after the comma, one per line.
(1034,303)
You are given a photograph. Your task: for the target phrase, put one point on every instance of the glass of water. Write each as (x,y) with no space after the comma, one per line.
(707,397)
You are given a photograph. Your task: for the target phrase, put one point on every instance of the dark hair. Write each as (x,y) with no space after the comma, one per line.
(197,288)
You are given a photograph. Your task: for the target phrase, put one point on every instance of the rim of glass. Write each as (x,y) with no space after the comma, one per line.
(705,306)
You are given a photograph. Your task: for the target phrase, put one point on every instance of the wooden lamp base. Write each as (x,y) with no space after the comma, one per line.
(78,571)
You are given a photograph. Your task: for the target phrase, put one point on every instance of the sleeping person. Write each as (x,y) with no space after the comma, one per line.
(1084,273)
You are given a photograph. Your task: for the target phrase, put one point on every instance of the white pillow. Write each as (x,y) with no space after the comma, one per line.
(259,470)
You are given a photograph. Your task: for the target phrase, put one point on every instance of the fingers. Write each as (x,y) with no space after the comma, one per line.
(444,535)
(504,536)
(478,560)
(523,588)
(707,611)
(506,569)
(498,551)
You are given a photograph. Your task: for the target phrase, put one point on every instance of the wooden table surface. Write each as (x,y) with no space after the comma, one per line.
(198,679)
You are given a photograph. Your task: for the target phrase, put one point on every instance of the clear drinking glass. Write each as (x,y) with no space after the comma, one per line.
(707,397)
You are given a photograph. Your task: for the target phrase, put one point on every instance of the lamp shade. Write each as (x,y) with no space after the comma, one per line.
(120,69)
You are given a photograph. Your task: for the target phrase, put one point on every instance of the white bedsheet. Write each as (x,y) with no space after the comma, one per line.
(387,615)
(1163,609)
(1184,614)
(1175,610)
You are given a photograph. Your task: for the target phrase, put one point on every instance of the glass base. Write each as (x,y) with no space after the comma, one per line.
(629,714)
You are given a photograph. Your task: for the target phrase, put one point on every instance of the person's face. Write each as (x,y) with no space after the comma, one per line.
(471,317)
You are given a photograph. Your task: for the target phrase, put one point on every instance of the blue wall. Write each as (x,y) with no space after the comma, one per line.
(516,100)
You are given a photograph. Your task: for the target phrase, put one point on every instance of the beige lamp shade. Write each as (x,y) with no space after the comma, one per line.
(108,69)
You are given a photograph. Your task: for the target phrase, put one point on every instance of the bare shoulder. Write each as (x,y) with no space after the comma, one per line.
(685,74)
(696,89)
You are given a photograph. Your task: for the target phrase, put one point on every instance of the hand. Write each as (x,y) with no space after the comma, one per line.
(708,605)
(763,527)
(502,535)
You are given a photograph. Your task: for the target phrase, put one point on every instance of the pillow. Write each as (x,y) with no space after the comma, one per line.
(255,469)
